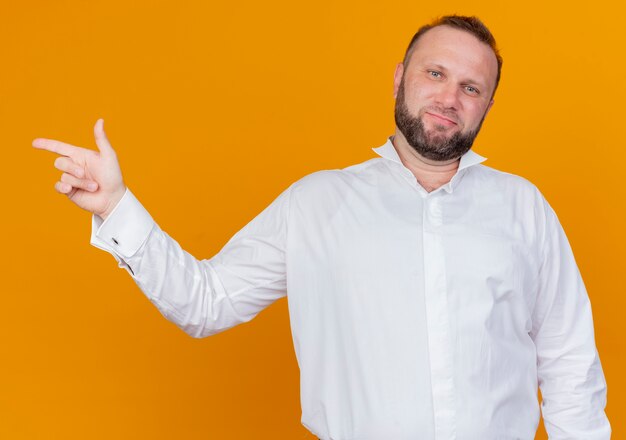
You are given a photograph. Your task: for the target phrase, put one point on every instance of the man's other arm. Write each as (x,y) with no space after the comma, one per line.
(570,376)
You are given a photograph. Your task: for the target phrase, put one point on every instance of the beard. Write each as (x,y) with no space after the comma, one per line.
(434,146)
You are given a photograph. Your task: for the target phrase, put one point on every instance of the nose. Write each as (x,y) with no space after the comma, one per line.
(448,96)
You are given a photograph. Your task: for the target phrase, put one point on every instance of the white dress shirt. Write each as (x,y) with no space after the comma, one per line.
(414,315)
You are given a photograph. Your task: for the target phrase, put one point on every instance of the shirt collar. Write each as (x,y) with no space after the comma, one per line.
(388,151)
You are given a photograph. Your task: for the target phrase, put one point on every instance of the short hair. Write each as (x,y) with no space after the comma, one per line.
(472,25)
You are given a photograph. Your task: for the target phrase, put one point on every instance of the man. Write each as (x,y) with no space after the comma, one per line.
(429,295)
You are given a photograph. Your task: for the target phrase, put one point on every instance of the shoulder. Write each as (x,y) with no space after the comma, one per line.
(507,184)
(491,176)
(337,179)
(326,190)
(514,191)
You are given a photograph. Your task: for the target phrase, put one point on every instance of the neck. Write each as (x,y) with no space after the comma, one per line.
(430,174)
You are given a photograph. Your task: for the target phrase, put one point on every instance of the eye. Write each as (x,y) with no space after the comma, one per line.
(472,90)
(434,74)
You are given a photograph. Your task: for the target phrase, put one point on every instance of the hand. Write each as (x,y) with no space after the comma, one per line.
(91,179)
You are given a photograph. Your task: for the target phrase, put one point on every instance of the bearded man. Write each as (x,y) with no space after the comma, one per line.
(429,295)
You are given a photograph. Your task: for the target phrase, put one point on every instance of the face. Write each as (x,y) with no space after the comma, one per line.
(444,92)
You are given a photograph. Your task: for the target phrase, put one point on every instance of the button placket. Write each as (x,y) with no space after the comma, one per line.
(438,321)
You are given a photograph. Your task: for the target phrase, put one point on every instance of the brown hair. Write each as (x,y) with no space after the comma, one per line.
(468,24)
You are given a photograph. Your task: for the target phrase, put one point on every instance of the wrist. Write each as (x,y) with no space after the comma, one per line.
(113,202)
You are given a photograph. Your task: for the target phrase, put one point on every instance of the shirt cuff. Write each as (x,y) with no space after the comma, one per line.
(125,230)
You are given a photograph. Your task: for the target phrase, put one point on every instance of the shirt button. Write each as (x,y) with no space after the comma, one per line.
(114,240)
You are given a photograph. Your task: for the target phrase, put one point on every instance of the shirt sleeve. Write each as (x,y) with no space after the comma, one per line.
(570,376)
(202,297)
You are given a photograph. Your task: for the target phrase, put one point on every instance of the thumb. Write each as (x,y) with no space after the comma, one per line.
(101,138)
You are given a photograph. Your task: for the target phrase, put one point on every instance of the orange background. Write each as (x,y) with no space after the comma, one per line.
(214,109)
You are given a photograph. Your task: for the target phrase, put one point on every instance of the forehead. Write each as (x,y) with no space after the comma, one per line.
(457,50)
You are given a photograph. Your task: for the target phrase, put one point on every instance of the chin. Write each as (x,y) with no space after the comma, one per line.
(441,134)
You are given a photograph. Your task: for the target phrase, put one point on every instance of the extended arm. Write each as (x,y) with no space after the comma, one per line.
(201,297)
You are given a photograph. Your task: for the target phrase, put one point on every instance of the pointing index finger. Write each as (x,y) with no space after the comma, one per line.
(57,147)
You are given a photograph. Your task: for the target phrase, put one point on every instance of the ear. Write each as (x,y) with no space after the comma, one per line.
(397,78)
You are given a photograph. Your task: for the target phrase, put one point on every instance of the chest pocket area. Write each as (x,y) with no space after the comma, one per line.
(489,280)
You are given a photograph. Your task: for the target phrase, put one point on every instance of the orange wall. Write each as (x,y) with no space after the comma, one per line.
(214,108)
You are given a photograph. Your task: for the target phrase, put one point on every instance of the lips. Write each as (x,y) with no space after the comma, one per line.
(440,119)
